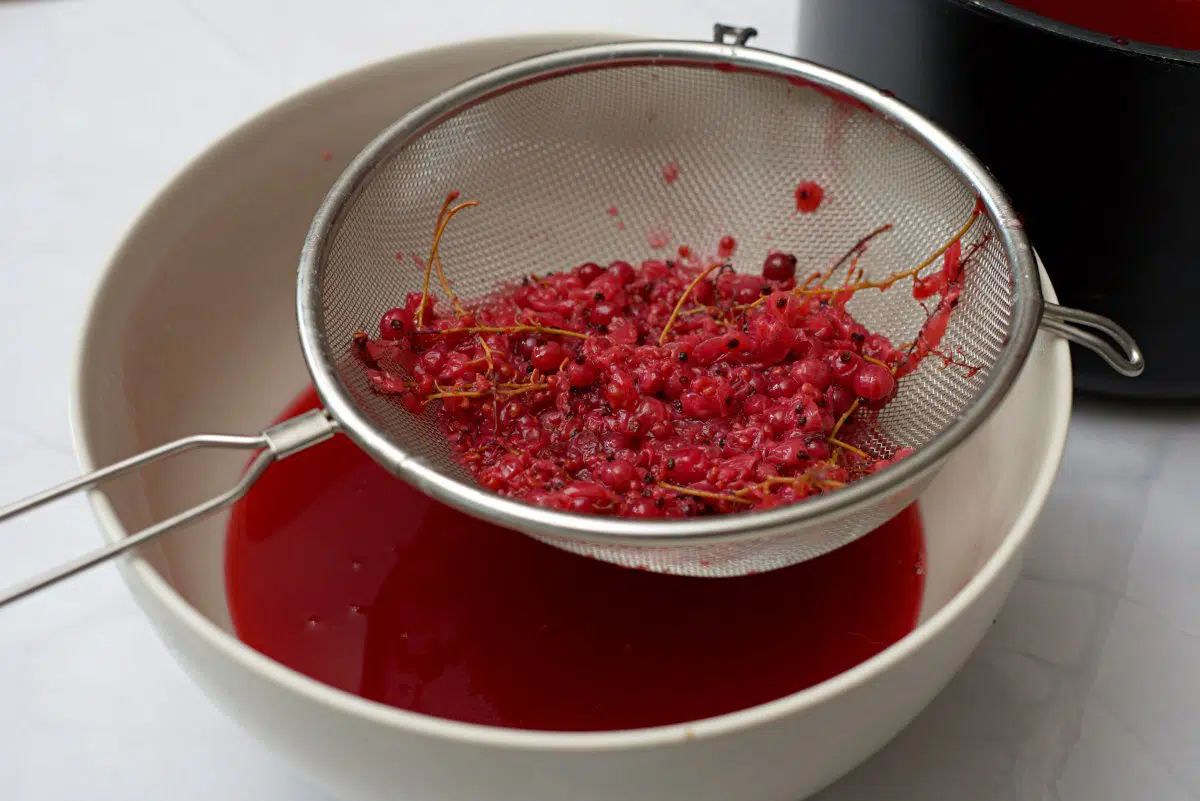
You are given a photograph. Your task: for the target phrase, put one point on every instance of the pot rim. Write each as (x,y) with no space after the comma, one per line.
(1117,44)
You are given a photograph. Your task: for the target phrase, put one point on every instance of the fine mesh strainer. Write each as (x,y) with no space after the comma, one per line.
(550,146)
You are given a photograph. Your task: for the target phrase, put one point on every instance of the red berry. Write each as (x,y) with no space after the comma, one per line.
(623,331)
(588,272)
(431,361)
(685,465)
(649,413)
(844,364)
(790,451)
(874,383)
(395,324)
(704,293)
(655,270)
(811,371)
(818,449)
(771,339)
(756,404)
(586,496)
(602,313)
(779,267)
(748,288)
(644,507)
(617,474)
(781,418)
(838,399)
(783,387)
(620,390)
(736,468)
(512,412)
(701,407)
(809,195)
(548,357)
(582,374)
(413,402)
(622,271)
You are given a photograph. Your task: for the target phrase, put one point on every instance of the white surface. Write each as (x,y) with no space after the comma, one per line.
(1085,688)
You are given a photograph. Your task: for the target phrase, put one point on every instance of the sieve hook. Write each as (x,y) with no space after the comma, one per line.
(1074,324)
(740,35)
(274,443)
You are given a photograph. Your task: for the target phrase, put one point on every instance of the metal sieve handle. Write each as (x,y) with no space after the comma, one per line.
(277,442)
(1080,327)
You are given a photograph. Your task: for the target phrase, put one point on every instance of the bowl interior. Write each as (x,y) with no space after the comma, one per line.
(193,330)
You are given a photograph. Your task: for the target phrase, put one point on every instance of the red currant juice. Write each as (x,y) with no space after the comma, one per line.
(1171,23)
(344,573)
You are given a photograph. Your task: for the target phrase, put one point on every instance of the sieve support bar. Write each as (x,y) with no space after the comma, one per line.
(1080,327)
(274,443)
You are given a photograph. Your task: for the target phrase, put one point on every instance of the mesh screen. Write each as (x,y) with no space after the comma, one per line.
(548,161)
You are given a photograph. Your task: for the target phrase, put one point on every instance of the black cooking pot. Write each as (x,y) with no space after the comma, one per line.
(1096,140)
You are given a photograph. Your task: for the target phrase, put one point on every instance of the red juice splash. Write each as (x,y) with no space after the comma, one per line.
(344,573)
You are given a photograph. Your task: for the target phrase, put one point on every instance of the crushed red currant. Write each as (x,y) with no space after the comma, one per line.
(809,195)
(665,389)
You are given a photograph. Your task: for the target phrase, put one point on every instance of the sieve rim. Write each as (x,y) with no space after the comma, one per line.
(477,502)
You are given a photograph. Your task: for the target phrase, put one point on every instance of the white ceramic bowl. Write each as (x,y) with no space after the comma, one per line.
(192,330)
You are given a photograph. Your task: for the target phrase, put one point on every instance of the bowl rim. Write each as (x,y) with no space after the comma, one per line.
(149,586)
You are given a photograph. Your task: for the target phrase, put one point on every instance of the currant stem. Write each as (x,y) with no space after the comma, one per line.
(837,443)
(511,329)
(892,279)
(443,221)
(856,249)
(683,299)
(715,496)
(487,352)
(503,391)
(842,420)
(772,481)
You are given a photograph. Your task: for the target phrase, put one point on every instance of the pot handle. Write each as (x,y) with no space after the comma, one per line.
(274,443)
(1080,327)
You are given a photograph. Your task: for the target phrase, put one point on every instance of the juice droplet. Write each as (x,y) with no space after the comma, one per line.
(809,195)
(726,247)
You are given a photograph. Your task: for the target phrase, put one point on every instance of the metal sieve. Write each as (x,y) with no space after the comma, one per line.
(565,152)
